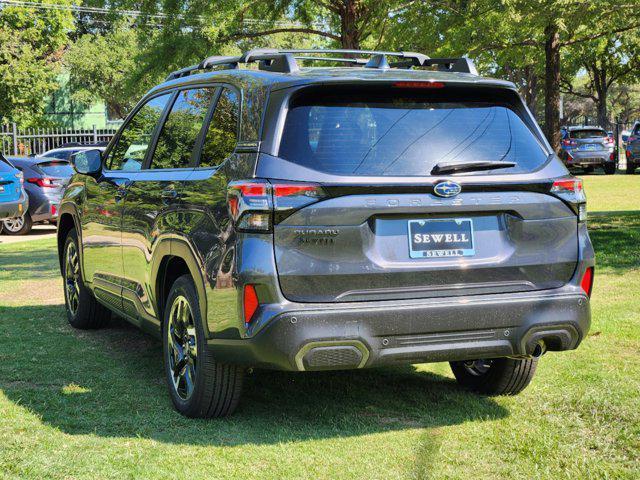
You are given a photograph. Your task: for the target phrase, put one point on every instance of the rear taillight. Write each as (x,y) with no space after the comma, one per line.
(611,156)
(571,191)
(587,281)
(255,204)
(43,182)
(54,210)
(250,302)
(250,205)
(628,153)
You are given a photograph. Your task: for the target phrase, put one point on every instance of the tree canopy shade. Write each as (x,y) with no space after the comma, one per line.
(31,45)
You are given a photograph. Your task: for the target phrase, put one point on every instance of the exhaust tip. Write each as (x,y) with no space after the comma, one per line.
(539,349)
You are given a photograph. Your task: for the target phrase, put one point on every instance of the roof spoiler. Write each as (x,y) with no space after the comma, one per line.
(285,61)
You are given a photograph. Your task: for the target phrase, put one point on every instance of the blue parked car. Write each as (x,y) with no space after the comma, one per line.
(13,199)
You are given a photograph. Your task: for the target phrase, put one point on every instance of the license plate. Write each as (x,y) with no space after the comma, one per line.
(435,238)
(590,146)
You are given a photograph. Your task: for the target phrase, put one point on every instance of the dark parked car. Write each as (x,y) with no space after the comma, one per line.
(44,181)
(632,149)
(330,218)
(13,199)
(588,148)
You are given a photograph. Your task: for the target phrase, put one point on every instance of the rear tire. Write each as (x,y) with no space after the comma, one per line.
(500,376)
(83,310)
(609,168)
(631,168)
(199,385)
(18,226)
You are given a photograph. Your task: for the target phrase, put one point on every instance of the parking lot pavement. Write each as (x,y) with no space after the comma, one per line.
(39,232)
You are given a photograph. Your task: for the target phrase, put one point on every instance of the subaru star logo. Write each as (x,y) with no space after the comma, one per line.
(447,189)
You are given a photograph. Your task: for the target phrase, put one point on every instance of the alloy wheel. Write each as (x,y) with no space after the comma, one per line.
(14,225)
(477,368)
(71,278)
(183,347)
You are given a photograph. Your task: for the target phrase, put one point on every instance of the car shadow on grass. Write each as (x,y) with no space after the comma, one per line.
(110,383)
(39,263)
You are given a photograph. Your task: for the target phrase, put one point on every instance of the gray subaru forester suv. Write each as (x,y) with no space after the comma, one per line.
(255,212)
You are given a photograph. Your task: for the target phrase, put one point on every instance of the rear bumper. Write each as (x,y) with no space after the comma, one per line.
(14,209)
(587,158)
(355,335)
(40,207)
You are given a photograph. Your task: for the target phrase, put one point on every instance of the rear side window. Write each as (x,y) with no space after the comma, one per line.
(588,133)
(56,169)
(222,134)
(135,136)
(180,132)
(396,132)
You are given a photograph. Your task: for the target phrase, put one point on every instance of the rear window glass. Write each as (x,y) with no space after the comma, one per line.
(590,133)
(406,132)
(5,166)
(56,169)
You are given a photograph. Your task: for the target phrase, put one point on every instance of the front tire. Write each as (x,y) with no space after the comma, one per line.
(83,310)
(199,385)
(18,226)
(500,376)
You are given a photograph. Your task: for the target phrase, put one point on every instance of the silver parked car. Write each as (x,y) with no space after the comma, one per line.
(588,148)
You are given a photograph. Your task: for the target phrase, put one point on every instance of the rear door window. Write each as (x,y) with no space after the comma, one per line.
(180,133)
(135,137)
(395,132)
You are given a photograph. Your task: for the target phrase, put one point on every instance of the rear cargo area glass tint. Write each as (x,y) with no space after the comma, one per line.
(399,132)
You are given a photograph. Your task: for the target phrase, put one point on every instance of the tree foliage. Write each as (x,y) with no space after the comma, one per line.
(31,45)
(102,67)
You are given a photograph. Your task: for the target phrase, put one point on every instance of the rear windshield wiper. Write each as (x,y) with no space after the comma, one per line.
(453,167)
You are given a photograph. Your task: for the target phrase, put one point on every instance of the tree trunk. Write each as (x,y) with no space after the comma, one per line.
(602,90)
(552,85)
(349,34)
(531,89)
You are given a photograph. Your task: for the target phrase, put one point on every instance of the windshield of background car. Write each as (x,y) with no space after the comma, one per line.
(62,154)
(398,132)
(56,169)
(591,133)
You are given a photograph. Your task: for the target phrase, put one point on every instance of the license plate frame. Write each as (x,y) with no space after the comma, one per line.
(448,249)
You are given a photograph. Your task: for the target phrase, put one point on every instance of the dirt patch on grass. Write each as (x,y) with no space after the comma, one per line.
(32,292)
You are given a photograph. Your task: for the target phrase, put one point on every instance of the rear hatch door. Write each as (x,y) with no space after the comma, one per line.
(385,228)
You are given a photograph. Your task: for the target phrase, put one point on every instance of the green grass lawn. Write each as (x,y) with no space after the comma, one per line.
(93,404)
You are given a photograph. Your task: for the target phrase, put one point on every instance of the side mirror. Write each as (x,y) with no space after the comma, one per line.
(87,162)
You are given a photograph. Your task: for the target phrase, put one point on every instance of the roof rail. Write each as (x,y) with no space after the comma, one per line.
(284,61)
